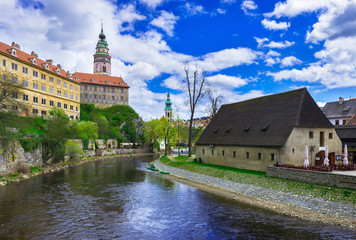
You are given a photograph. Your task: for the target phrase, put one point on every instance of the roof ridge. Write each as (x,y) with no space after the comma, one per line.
(265,96)
(300,108)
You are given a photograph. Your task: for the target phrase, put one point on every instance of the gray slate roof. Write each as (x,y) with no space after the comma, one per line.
(344,110)
(347,134)
(266,121)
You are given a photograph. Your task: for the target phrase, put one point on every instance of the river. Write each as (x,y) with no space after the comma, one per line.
(121,199)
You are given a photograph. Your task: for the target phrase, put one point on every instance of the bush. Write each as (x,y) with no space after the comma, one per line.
(73,150)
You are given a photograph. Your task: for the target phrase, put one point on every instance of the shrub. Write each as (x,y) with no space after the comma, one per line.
(73,150)
(35,169)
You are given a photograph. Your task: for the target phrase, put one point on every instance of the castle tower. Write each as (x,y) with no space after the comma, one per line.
(102,59)
(168,109)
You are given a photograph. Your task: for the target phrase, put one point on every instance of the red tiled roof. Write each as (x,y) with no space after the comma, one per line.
(6,49)
(100,79)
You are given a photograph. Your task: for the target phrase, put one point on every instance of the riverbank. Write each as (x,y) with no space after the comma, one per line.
(303,207)
(17,177)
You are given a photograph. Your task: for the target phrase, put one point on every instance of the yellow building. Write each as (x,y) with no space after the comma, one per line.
(43,84)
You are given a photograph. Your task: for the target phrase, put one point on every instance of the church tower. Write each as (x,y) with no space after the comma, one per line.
(102,59)
(168,109)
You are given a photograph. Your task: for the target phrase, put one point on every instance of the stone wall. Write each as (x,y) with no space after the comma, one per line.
(13,154)
(324,178)
(251,158)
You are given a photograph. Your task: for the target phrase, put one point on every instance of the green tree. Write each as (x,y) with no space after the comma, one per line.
(152,133)
(103,125)
(87,131)
(166,132)
(54,135)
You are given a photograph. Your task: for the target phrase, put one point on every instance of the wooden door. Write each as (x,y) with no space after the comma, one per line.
(331,158)
(319,158)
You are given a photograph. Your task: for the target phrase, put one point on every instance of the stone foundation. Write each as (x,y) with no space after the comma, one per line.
(324,178)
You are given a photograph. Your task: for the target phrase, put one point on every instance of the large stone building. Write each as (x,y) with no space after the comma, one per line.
(100,88)
(340,112)
(256,133)
(43,85)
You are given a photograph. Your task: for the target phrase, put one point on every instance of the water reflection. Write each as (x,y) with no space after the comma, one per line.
(120,198)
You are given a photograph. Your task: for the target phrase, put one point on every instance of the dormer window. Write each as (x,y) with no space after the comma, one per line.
(107,81)
(120,83)
(13,52)
(57,70)
(46,66)
(34,61)
(77,78)
(92,80)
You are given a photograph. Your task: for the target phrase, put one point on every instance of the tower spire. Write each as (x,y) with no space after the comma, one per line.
(102,29)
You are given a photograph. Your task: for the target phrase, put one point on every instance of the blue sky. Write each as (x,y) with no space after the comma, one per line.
(247,48)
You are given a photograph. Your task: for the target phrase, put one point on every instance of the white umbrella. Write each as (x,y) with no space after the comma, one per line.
(326,159)
(346,161)
(306,161)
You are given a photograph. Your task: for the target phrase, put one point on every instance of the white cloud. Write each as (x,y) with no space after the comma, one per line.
(273,25)
(225,81)
(290,61)
(221,11)
(166,22)
(173,82)
(264,42)
(228,1)
(280,45)
(128,14)
(273,53)
(152,3)
(226,58)
(193,9)
(261,41)
(272,61)
(292,8)
(248,6)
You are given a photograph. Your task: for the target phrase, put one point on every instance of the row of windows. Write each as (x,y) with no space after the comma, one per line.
(259,155)
(102,101)
(51,102)
(35,74)
(94,96)
(311,135)
(104,89)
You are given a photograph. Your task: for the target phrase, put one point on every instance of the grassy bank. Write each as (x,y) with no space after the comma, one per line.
(261,180)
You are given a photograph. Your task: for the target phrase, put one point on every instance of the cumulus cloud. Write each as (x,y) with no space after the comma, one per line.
(292,8)
(264,42)
(290,61)
(166,22)
(194,9)
(128,14)
(227,1)
(152,3)
(248,6)
(273,25)
(226,58)
(225,81)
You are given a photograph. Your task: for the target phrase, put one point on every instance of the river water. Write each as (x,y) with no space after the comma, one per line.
(121,199)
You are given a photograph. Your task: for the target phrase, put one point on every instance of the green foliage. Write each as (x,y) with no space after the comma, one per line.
(87,131)
(29,144)
(130,131)
(35,169)
(73,150)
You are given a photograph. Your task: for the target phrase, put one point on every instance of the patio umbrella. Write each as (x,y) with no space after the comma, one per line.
(346,161)
(306,161)
(326,159)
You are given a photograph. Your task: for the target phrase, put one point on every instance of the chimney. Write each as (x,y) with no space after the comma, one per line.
(15,45)
(59,66)
(49,61)
(341,100)
(34,54)
(69,75)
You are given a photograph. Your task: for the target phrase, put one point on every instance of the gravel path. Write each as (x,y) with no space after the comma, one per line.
(310,203)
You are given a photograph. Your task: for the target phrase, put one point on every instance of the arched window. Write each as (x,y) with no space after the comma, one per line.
(104,68)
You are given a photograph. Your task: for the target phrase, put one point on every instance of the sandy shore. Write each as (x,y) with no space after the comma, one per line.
(280,208)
